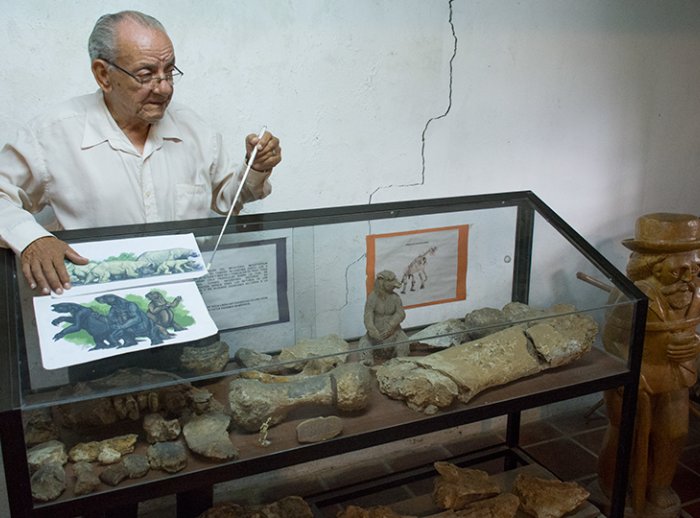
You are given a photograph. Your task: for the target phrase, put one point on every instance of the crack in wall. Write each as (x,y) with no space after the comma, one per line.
(432,119)
(422,150)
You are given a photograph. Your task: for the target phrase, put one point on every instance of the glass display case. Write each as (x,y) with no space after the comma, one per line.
(312,351)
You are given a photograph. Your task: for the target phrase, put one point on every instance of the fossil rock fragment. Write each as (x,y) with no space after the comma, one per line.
(207,435)
(136,465)
(167,456)
(207,359)
(50,452)
(319,429)
(289,507)
(504,505)
(39,427)
(252,402)
(496,359)
(456,487)
(443,334)
(316,355)
(423,390)
(108,456)
(86,479)
(159,429)
(49,482)
(99,412)
(90,451)
(380,511)
(114,474)
(545,498)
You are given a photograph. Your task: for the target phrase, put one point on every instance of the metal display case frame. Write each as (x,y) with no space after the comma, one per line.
(194,487)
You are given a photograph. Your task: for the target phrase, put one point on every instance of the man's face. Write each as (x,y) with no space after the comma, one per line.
(678,275)
(141,51)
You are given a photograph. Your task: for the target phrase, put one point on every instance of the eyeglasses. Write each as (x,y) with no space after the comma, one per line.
(149,79)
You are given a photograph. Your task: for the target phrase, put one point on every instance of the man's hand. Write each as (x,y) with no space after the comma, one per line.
(269,151)
(43,266)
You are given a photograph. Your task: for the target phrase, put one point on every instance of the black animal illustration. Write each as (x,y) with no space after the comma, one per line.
(129,322)
(83,318)
(161,311)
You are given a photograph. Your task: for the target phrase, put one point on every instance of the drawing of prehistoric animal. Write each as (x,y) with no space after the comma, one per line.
(129,322)
(416,268)
(178,266)
(83,318)
(161,311)
(158,257)
(118,270)
(79,272)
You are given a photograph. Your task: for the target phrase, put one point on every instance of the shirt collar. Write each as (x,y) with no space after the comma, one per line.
(101,127)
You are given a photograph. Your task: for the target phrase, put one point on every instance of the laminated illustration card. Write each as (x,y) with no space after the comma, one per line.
(124,263)
(93,326)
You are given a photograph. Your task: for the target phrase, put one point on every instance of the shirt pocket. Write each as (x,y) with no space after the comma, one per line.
(192,201)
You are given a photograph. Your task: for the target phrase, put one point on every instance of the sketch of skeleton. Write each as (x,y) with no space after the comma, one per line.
(416,268)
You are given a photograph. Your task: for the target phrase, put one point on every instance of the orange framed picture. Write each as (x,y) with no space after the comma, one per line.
(431,264)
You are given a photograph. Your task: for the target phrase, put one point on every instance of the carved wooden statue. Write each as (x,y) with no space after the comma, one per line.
(664,265)
(383,316)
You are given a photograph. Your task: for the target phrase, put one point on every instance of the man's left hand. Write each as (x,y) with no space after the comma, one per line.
(269,151)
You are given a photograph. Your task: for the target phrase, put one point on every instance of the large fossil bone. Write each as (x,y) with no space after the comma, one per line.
(253,402)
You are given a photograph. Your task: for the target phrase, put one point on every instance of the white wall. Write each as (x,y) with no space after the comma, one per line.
(593,105)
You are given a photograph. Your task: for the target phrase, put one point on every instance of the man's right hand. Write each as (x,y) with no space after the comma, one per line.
(43,266)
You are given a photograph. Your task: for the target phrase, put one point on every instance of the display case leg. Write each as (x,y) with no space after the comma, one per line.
(512,439)
(195,502)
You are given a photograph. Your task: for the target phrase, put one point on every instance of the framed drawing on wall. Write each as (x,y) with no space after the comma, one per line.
(431,264)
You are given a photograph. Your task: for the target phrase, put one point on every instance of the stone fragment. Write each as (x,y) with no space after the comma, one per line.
(207,435)
(167,456)
(504,505)
(90,451)
(484,321)
(443,334)
(252,359)
(136,465)
(319,429)
(288,507)
(424,390)
(456,487)
(108,456)
(379,511)
(93,411)
(559,336)
(203,401)
(493,360)
(85,452)
(39,427)
(49,482)
(114,474)
(548,498)
(252,402)
(45,453)
(316,355)
(206,359)
(87,480)
(159,429)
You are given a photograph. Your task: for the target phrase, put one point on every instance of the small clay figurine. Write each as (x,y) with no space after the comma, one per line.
(263,440)
(383,316)
(664,265)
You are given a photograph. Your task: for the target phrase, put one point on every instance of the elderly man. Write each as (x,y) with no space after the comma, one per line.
(121,155)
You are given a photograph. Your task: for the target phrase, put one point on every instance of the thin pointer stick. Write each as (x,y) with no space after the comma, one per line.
(238,193)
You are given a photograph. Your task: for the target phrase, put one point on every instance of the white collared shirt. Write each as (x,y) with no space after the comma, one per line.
(78,161)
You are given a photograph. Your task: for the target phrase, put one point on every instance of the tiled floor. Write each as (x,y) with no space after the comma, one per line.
(566,444)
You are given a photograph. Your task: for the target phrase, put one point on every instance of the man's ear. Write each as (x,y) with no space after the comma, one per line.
(100,72)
